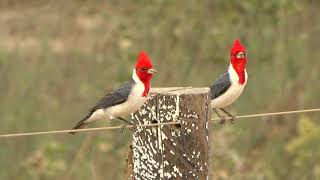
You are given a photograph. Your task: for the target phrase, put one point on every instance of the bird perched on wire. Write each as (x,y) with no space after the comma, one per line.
(229,86)
(127,98)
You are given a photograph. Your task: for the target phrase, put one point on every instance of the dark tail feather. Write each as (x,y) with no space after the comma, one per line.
(81,123)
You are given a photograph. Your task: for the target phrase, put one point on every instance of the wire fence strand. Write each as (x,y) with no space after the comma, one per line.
(152,125)
(270,114)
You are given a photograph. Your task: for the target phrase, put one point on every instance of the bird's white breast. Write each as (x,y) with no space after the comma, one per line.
(134,102)
(232,93)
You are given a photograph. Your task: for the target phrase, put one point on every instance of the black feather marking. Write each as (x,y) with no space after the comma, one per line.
(220,86)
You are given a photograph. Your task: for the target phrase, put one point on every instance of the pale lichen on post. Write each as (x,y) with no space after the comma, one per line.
(145,147)
(173,152)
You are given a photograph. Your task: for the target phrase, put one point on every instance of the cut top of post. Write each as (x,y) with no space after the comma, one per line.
(180,90)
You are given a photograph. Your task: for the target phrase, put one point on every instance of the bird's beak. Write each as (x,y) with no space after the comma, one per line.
(152,71)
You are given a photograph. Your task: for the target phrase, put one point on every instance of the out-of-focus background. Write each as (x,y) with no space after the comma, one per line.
(58,57)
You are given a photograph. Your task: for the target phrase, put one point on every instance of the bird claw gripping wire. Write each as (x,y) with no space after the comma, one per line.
(134,126)
(231,116)
(233,119)
(122,128)
(222,120)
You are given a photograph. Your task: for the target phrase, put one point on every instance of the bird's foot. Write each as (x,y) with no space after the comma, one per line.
(231,116)
(122,128)
(222,120)
(233,119)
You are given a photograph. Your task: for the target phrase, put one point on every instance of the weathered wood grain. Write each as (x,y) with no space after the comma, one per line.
(173,152)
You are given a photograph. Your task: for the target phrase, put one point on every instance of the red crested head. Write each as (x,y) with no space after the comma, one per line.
(144,70)
(237,47)
(238,60)
(143,61)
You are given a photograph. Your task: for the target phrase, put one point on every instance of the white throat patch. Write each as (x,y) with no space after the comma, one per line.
(233,92)
(135,77)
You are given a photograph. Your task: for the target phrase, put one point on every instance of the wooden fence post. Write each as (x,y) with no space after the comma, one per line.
(172,151)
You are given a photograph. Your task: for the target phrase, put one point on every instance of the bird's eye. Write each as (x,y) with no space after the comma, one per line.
(240,55)
(143,69)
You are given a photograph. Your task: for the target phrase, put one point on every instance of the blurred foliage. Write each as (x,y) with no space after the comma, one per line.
(58,57)
(304,149)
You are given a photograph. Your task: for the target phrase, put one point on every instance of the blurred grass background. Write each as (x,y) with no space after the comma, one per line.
(58,57)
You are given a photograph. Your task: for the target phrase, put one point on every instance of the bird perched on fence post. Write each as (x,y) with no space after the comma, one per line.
(229,86)
(127,98)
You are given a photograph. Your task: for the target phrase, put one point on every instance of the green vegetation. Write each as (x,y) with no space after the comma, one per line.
(58,57)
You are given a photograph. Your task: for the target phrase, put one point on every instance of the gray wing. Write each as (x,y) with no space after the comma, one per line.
(220,85)
(116,97)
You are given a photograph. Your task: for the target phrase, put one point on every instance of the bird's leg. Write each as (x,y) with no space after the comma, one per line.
(126,121)
(233,117)
(122,128)
(222,118)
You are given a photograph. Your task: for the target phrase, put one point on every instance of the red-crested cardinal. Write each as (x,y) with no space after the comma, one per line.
(127,98)
(229,86)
